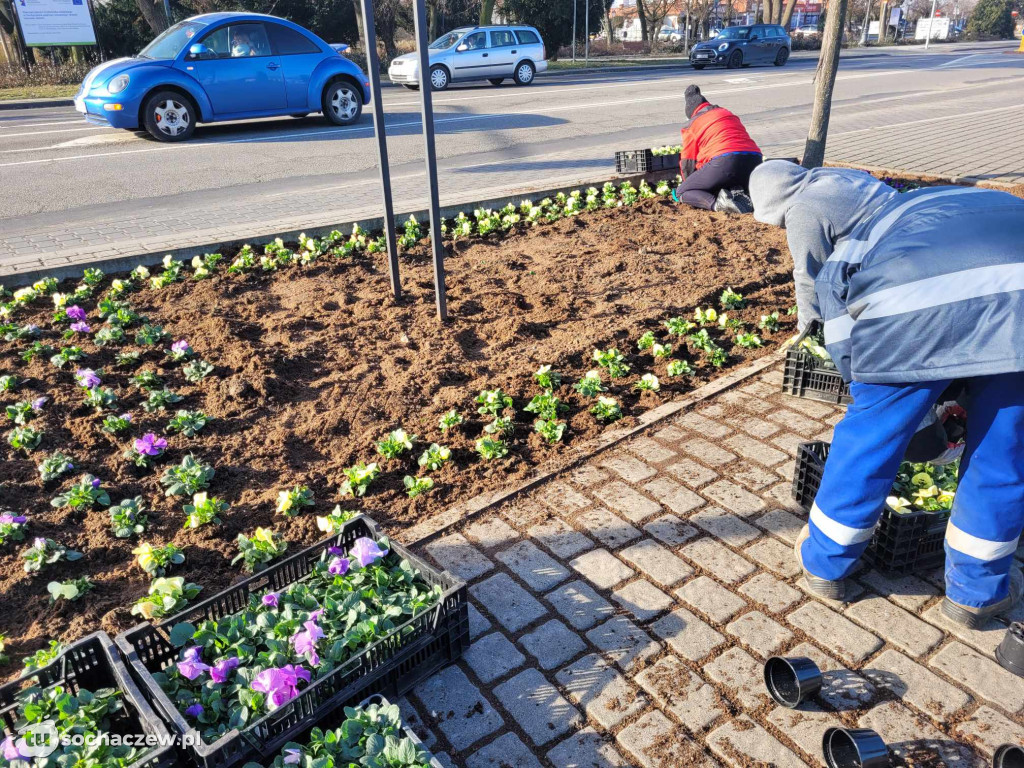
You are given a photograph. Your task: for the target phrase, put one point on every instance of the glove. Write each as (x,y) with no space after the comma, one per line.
(674,196)
(949,455)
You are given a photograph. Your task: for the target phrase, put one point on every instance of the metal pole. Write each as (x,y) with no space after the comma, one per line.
(867,23)
(574,31)
(167,11)
(430,156)
(686,32)
(380,132)
(586,33)
(931,23)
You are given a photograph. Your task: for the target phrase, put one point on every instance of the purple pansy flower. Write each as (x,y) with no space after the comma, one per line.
(126,416)
(339,566)
(280,685)
(305,641)
(39,402)
(39,543)
(75,312)
(335,551)
(8,519)
(81,327)
(180,347)
(87,377)
(366,551)
(222,669)
(32,328)
(11,751)
(292,756)
(95,483)
(270,599)
(315,615)
(195,710)
(150,445)
(192,665)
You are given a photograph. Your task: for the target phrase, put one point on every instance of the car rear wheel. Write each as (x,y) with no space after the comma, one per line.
(735,60)
(496,80)
(438,78)
(781,57)
(343,104)
(524,73)
(698,67)
(169,116)
(411,86)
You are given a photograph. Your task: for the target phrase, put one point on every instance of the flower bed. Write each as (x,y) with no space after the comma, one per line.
(85,692)
(250,668)
(301,384)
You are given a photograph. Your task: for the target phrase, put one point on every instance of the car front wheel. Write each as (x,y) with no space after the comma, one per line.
(781,57)
(698,67)
(343,104)
(524,73)
(438,78)
(735,60)
(495,80)
(169,116)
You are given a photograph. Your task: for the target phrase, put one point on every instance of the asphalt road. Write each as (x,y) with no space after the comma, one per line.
(65,179)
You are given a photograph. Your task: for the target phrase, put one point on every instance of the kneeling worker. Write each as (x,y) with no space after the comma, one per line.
(717,158)
(915,291)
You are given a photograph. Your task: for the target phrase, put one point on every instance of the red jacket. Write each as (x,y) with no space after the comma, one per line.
(713,131)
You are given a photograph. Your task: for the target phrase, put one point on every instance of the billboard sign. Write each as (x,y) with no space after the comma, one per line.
(55,22)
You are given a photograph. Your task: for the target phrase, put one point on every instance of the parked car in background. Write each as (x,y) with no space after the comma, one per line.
(669,35)
(492,53)
(810,30)
(224,66)
(742,46)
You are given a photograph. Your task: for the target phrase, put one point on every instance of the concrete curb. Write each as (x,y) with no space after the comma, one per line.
(35,104)
(442,522)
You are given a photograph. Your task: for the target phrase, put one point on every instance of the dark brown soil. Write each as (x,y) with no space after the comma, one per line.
(314,364)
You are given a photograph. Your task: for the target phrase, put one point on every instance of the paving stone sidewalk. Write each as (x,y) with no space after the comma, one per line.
(621,614)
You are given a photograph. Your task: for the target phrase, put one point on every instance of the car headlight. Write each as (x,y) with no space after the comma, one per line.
(723,46)
(118,84)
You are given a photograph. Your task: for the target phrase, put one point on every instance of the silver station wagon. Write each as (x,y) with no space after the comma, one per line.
(493,53)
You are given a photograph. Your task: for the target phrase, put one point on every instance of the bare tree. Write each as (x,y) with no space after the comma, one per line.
(655,11)
(824,84)
(787,14)
(153,12)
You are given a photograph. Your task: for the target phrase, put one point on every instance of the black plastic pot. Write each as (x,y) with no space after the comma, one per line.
(1010,653)
(854,748)
(791,681)
(1008,756)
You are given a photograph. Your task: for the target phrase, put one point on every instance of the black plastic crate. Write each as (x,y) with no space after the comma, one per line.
(807,376)
(93,663)
(901,543)
(391,666)
(644,161)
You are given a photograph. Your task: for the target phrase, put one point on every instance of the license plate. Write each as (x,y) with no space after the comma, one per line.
(702,55)
(80,105)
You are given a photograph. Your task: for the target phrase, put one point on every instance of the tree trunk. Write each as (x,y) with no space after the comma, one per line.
(608,27)
(768,10)
(486,12)
(824,84)
(153,13)
(787,15)
(641,14)
(360,28)
(433,21)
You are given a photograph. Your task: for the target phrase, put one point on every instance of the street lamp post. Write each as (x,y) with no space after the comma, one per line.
(867,24)
(573,31)
(586,33)
(931,23)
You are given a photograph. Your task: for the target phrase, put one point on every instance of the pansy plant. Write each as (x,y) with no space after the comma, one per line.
(108,335)
(545,406)
(748,340)
(84,494)
(67,355)
(150,335)
(256,551)
(606,409)
(661,351)
(547,378)
(167,596)
(450,420)
(187,478)
(54,466)
(646,341)
(159,399)
(395,443)
(128,518)
(707,316)
(648,383)
(204,510)
(414,486)
(36,349)
(358,478)
(492,402)
(491,449)
(8,383)
(87,378)
(43,657)
(590,385)
(127,359)
(290,503)
(770,322)
(21,413)
(549,429)
(196,370)
(334,523)
(100,399)
(679,368)
(435,457)
(146,380)
(679,326)
(731,300)
(69,590)
(25,438)
(44,552)
(12,527)
(144,450)
(116,425)
(179,351)
(187,423)
(612,361)
(501,426)
(156,560)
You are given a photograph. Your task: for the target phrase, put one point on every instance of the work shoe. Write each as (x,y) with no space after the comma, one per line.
(972,618)
(829,590)
(733,201)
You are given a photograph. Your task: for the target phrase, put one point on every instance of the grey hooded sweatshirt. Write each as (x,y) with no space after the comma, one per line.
(817,207)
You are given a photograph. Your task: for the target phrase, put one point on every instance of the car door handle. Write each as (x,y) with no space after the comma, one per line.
(273,65)
(513,51)
(485,55)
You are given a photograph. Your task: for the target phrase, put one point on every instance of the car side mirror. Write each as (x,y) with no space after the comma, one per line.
(462,48)
(198,51)
(753,38)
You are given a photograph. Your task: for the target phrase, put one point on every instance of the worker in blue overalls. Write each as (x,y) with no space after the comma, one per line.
(916,291)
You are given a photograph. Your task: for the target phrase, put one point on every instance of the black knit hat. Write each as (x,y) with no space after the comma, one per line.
(694,99)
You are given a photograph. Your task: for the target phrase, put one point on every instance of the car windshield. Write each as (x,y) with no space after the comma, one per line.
(734,33)
(447,41)
(169,43)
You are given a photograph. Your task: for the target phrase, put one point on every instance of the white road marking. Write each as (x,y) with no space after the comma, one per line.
(19,124)
(65,130)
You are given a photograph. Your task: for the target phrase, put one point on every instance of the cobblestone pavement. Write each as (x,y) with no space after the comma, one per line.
(621,613)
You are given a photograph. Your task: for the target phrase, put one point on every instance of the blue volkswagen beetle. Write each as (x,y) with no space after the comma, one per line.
(224,66)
